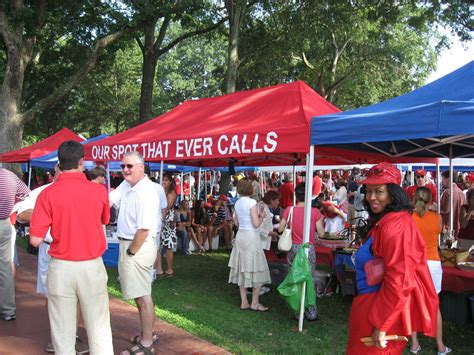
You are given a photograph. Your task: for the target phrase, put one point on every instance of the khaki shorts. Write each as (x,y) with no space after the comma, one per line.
(135,271)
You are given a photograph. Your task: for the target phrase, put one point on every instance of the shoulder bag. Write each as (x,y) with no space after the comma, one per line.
(285,242)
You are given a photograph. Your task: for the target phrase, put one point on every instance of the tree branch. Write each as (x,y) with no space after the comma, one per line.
(7,36)
(190,34)
(63,90)
(162,34)
(140,43)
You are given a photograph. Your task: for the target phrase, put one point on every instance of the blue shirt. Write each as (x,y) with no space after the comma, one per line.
(362,256)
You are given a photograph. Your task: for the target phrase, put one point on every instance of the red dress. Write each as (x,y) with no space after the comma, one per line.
(407,300)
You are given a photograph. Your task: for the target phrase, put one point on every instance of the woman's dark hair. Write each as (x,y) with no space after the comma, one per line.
(270,195)
(198,211)
(172,186)
(400,202)
(469,194)
(300,192)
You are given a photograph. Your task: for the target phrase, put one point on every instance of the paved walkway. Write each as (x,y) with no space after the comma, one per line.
(29,333)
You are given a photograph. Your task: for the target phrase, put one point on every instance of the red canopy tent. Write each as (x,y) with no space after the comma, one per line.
(41,148)
(261,127)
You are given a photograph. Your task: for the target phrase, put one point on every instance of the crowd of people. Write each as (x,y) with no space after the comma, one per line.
(153,222)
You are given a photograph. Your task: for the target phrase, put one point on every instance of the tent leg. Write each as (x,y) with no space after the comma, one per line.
(161,172)
(438,187)
(108,177)
(29,176)
(451,197)
(205,185)
(307,220)
(199,185)
(294,182)
(182,186)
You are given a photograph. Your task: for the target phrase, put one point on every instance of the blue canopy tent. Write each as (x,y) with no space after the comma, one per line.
(48,161)
(436,120)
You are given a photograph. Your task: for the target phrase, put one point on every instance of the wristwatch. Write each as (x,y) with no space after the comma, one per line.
(129,252)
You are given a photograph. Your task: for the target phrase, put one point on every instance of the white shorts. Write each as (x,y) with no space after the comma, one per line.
(436,273)
(43,264)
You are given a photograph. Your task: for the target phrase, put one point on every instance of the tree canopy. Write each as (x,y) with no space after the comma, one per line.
(84,64)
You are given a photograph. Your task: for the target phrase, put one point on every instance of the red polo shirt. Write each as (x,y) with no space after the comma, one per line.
(75,209)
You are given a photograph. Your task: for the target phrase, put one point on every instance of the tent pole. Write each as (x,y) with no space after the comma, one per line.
(29,176)
(108,177)
(182,185)
(451,197)
(161,172)
(205,185)
(307,221)
(294,183)
(199,185)
(438,187)
(412,176)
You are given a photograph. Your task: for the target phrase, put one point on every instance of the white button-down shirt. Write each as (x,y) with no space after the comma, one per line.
(138,208)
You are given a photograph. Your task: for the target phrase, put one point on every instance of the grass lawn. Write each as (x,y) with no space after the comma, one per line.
(199,300)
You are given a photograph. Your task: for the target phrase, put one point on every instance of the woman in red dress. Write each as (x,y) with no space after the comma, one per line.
(405,300)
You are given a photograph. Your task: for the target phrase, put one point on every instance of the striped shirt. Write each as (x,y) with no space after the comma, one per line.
(12,190)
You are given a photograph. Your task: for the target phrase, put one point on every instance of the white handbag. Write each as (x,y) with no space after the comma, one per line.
(285,242)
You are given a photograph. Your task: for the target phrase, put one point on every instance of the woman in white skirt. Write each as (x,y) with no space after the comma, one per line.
(248,265)
(429,224)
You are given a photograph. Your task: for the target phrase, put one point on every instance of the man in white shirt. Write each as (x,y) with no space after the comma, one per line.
(137,224)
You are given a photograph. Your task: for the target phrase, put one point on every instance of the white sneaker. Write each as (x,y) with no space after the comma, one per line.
(264,290)
(446,351)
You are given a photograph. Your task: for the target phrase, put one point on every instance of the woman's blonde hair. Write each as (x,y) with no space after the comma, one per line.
(245,187)
(423,198)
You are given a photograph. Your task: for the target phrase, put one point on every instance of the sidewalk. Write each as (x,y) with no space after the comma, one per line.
(29,333)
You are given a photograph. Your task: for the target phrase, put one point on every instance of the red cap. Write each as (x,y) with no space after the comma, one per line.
(420,172)
(382,173)
(223,198)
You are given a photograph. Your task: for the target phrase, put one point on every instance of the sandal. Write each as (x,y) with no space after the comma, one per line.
(259,308)
(137,338)
(139,348)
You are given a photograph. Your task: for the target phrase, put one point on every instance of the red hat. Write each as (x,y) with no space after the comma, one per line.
(223,198)
(470,177)
(382,173)
(420,172)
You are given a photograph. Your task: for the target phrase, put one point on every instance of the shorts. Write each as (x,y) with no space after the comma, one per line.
(436,272)
(43,265)
(136,271)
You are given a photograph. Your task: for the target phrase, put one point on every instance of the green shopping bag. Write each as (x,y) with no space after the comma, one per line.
(291,288)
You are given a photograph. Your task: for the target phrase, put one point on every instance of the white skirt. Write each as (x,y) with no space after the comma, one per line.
(436,273)
(248,265)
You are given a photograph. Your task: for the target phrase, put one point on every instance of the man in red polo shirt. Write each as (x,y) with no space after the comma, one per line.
(420,180)
(74,210)
(286,191)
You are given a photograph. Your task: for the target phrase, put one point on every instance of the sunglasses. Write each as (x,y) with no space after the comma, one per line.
(128,166)
(419,176)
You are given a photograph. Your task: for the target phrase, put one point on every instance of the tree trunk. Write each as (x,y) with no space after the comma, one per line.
(148,74)
(236,10)
(11,134)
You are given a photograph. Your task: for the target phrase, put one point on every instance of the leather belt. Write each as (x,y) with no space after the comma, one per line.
(127,240)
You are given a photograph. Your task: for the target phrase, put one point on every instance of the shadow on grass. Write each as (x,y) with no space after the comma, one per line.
(199,300)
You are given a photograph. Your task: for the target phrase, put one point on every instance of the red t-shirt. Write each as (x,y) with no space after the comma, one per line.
(286,194)
(410,190)
(317,184)
(297,221)
(75,209)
